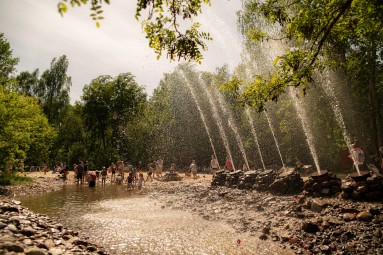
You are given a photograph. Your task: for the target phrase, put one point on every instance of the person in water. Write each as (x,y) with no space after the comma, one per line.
(92,179)
(104,175)
(129,181)
(140,180)
(150,172)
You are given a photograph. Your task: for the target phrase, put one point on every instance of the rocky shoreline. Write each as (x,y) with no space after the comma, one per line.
(304,224)
(26,232)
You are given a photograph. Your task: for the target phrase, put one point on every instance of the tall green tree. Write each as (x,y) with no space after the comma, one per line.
(27,82)
(109,106)
(53,89)
(25,133)
(71,144)
(7,61)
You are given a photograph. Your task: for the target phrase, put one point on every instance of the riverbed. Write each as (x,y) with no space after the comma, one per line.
(133,222)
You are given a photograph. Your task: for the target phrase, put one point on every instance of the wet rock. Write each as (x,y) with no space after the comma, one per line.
(310,227)
(318,205)
(324,184)
(29,231)
(34,234)
(11,247)
(364,216)
(349,216)
(374,195)
(35,251)
(286,183)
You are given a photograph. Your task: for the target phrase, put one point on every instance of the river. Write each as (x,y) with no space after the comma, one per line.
(127,222)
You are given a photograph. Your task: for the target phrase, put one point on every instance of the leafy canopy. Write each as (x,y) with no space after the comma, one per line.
(164,26)
(24,129)
(309,30)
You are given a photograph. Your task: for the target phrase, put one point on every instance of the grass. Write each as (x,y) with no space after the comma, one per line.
(13,179)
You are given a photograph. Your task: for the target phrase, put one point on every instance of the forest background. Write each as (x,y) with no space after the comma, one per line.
(318,44)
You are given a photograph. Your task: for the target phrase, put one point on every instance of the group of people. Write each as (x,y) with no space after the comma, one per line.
(119,173)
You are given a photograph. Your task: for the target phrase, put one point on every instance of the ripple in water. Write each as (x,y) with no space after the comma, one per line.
(140,226)
(131,224)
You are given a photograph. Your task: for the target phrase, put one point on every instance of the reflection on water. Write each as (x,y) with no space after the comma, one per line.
(129,223)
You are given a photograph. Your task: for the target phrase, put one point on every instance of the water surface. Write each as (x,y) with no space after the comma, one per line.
(125,222)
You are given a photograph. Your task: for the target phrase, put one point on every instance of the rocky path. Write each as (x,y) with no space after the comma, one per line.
(305,224)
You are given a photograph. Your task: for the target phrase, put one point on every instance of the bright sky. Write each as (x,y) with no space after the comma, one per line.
(37,34)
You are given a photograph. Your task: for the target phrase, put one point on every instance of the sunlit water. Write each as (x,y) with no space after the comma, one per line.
(125,222)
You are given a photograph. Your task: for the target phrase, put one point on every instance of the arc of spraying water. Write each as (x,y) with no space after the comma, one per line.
(217,119)
(309,137)
(233,127)
(251,121)
(275,139)
(201,114)
(329,91)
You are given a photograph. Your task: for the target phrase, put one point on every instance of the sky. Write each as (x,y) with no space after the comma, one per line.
(37,34)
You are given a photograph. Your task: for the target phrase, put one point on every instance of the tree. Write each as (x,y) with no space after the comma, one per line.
(162,26)
(53,89)
(7,61)
(71,143)
(27,83)
(24,130)
(109,106)
(315,34)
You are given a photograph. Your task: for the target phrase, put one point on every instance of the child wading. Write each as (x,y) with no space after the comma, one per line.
(104,174)
(140,181)
(150,172)
(129,181)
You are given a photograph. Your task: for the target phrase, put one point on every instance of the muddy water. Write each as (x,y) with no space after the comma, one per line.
(130,223)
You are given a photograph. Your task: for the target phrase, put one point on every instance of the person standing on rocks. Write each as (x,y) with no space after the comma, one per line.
(214,164)
(159,166)
(193,169)
(228,164)
(358,157)
(45,168)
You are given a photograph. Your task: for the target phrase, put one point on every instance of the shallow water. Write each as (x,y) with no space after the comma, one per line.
(125,222)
